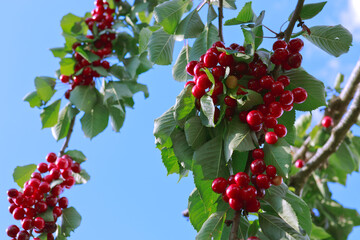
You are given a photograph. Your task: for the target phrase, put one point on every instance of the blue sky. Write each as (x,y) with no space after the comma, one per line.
(129,195)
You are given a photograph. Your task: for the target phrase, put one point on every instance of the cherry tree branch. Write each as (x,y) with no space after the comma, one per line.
(235,226)
(221,16)
(338,133)
(293,20)
(66,143)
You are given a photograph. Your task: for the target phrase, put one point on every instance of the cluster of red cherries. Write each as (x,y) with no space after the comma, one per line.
(102,19)
(39,195)
(276,99)
(237,190)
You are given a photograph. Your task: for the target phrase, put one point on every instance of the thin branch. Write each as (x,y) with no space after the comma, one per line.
(198,8)
(66,143)
(337,136)
(221,16)
(235,226)
(294,18)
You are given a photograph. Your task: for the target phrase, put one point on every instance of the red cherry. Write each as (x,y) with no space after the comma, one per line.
(41,207)
(242,116)
(271,138)
(276,180)
(13,193)
(39,223)
(258,154)
(64,78)
(233,191)
(190,67)
(197,92)
(255,118)
(262,181)
(202,58)
(44,187)
(19,199)
(36,175)
(295,45)
(105,64)
(233,46)
(27,223)
(197,69)
(192,83)
(75,167)
(210,60)
(48,179)
(51,157)
(28,190)
(300,95)
(69,182)
(259,71)
(280,130)
(299,163)
(268,98)
(266,82)
(42,167)
(277,89)
(248,193)
(270,122)
(219,44)
(55,173)
(235,204)
(260,193)
(12,231)
(257,166)
(226,60)
(213,50)
(57,212)
(203,82)
(295,60)
(285,80)
(18,213)
(67,94)
(270,171)
(12,207)
(67,173)
(219,185)
(242,179)
(256,128)
(240,49)
(23,235)
(327,122)
(218,88)
(229,101)
(231,179)
(51,200)
(218,72)
(286,66)
(254,85)
(275,109)
(279,44)
(263,109)
(280,55)
(64,202)
(286,98)
(253,206)
(241,68)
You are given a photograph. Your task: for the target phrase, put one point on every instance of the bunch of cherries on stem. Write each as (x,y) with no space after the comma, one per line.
(237,190)
(40,194)
(276,97)
(100,45)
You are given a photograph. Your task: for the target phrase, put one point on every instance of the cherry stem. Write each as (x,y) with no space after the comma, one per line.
(270,30)
(199,7)
(221,16)
(235,226)
(68,136)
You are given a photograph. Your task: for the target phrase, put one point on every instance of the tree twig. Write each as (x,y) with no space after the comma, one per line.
(337,136)
(221,16)
(68,136)
(235,226)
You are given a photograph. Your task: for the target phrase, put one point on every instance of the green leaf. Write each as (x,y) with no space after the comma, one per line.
(237,137)
(49,115)
(179,69)
(302,124)
(67,66)
(117,115)
(288,120)
(33,99)
(210,156)
(276,228)
(82,177)
(279,155)
(170,161)
(60,130)
(335,40)
(310,10)
(76,155)
(250,100)
(191,26)
(131,65)
(207,111)
(45,87)
(163,127)
(95,121)
(238,161)
(168,14)
(291,208)
(315,89)
(161,46)
(68,22)
(185,103)
(100,70)
(23,174)
(318,233)
(84,98)
(195,132)
(258,35)
(89,56)
(59,52)
(206,39)
(70,220)
(198,210)
(212,227)
(182,150)
(47,215)
(212,15)
(344,159)
(246,15)
(144,38)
